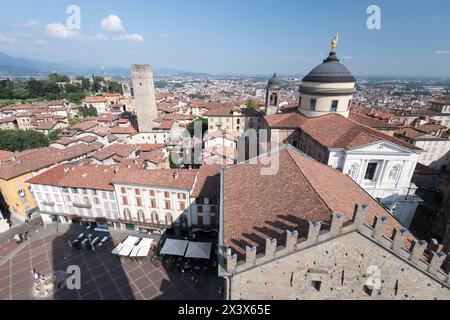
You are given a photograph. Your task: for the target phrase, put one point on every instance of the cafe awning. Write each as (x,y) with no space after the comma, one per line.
(199,250)
(174,247)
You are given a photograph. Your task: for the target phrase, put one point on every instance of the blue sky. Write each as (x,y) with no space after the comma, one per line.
(234,36)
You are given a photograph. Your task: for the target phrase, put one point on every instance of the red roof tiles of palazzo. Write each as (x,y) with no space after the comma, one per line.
(257,207)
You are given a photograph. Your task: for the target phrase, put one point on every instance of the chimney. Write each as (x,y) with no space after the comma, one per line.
(84,175)
(66,169)
(176,174)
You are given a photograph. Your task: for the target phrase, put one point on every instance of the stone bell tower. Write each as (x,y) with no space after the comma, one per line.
(273,95)
(144,93)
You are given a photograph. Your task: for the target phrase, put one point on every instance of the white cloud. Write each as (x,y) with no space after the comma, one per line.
(29,24)
(130,37)
(4,38)
(40,42)
(97,37)
(113,23)
(442,51)
(60,31)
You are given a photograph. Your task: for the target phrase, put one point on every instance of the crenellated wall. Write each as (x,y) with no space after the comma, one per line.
(349,261)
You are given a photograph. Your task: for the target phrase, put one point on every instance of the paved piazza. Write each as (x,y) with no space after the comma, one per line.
(103,276)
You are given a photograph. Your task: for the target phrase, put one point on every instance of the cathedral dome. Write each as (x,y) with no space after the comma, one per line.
(274,82)
(330,71)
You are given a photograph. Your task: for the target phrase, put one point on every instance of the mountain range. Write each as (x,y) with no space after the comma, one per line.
(22,67)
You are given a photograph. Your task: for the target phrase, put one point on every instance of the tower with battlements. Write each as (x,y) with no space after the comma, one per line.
(144,93)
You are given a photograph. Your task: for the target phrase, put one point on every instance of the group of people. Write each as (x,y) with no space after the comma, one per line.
(37,276)
(22,236)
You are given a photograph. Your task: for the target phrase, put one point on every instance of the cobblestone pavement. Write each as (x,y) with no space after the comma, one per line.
(103,276)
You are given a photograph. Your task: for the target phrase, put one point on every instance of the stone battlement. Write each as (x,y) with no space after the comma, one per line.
(141,67)
(426,257)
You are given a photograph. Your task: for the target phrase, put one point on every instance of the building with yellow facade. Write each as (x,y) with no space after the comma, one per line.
(16,193)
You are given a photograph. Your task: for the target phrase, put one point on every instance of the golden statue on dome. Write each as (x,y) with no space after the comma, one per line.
(334,42)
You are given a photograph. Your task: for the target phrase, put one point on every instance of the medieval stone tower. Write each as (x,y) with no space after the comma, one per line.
(144,93)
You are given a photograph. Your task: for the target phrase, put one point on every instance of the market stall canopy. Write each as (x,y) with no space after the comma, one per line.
(126,251)
(117,249)
(199,250)
(174,247)
(131,241)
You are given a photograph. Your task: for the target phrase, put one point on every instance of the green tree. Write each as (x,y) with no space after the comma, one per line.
(91,111)
(190,127)
(20,91)
(19,140)
(35,88)
(55,77)
(53,136)
(251,104)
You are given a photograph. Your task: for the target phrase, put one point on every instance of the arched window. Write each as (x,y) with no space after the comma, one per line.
(274,99)
(169,219)
(393,173)
(183,221)
(126,214)
(141,217)
(154,217)
(353,171)
(238,121)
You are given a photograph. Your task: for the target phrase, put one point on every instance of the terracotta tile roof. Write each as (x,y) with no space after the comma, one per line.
(111,138)
(56,102)
(429,127)
(227,111)
(46,125)
(333,130)
(409,133)
(5,155)
(38,159)
(151,146)
(285,120)
(80,175)
(64,141)
(24,115)
(178,179)
(8,120)
(108,117)
(121,150)
(370,122)
(154,156)
(85,125)
(94,99)
(257,207)
(123,130)
(88,139)
(68,133)
(166,124)
(112,95)
(208,182)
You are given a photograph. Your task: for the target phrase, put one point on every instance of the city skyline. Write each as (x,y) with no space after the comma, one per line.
(254,37)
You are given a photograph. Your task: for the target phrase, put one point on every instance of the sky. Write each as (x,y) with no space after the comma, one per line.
(233,36)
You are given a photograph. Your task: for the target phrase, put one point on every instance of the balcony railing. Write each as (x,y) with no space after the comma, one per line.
(83,205)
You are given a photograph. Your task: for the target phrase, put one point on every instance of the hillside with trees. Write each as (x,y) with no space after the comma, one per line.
(56,87)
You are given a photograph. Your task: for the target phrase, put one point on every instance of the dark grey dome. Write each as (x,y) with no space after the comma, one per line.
(275,81)
(331,70)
